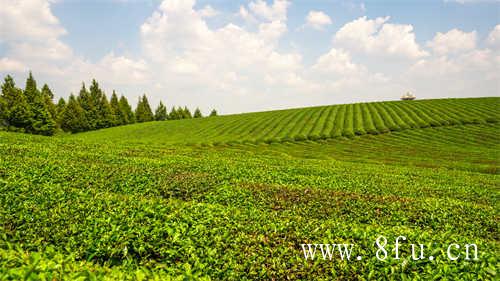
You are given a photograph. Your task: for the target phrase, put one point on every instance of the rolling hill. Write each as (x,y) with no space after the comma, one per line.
(311,123)
(134,203)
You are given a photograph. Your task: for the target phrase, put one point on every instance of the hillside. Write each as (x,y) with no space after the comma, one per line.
(125,204)
(312,123)
(131,211)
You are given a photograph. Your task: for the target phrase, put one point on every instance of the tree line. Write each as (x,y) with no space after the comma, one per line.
(33,110)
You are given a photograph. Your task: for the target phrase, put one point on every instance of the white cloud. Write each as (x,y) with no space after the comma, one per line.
(246,15)
(50,49)
(31,35)
(120,67)
(337,62)
(317,19)
(245,67)
(452,42)
(38,22)
(227,61)
(473,74)
(377,37)
(336,72)
(458,67)
(276,11)
(208,12)
(10,65)
(493,39)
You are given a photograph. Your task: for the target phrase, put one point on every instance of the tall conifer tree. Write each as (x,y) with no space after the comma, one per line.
(41,120)
(96,113)
(174,114)
(30,90)
(126,109)
(61,104)
(197,113)
(161,112)
(143,111)
(106,118)
(48,97)
(15,111)
(186,114)
(116,110)
(88,107)
(73,116)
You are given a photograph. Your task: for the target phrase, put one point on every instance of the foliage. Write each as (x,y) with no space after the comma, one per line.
(197,113)
(161,112)
(126,110)
(79,207)
(118,115)
(143,111)
(314,123)
(48,97)
(34,111)
(16,112)
(73,117)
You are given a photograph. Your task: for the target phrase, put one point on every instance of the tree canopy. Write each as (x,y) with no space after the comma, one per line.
(33,110)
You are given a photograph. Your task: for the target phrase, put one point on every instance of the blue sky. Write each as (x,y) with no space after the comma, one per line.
(278,54)
(116,23)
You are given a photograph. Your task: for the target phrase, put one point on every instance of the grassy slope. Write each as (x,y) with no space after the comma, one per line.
(448,147)
(70,208)
(307,123)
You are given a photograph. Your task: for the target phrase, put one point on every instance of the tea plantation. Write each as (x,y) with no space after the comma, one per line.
(313,123)
(234,197)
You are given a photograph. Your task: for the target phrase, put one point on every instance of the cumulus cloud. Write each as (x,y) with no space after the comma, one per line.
(31,36)
(452,42)
(243,67)
(317,20)
(38,22)
(208,12)
(457,67)
(337,62)
(276,11)
(378,37)
(10,65)
(493,39)
(229,60)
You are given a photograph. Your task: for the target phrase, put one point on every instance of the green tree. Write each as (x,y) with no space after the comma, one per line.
(213,112)
(105,113)
(161,113)
(30,90)
(143,111)
(174,114)
(128,116)
(85,101)
(73,116)
(186,114)
(100,110)
(116,110)
(3,107)
(61,104)
(49,101)
(41,121)
(15,108)
(197,113)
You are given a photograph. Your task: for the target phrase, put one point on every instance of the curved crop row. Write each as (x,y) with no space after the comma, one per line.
(313,123)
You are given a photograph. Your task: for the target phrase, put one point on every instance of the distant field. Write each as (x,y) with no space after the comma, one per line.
(308,123)
(134,203)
